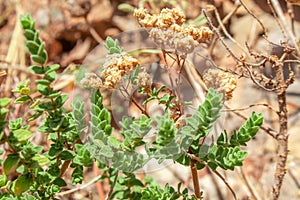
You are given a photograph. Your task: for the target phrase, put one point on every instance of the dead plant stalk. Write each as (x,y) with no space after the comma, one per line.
(282,136)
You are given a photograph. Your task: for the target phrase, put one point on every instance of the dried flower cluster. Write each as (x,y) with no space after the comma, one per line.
(115,67)
(91,80)
(222,81)
(165,19)
(169,39)
(145,81)
(168,31)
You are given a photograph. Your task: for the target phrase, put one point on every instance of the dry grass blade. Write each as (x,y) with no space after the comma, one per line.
(16,51)
(2,76)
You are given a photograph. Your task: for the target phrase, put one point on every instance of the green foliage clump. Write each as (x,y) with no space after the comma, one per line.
(39,171)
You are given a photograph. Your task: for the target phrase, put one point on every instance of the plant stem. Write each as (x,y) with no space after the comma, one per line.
(193,165)
(282,136)
(112,186)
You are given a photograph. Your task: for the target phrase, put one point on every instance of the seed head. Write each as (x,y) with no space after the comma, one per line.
(115,67)
(91,80)
(168,30)
(145,81)
(222,81)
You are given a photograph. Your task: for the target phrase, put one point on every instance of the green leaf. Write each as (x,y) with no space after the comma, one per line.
(38,59)
(41,49)
(3,114)
(114,142)
(35,116)
(54,95)
(43,89)
(53,189)
(112,46)
(27,22)
(116,50)
(11,163)
(77,175)
(21,135)
(60,182)
(248,130)
(135,74)
(79,115)
(67,155)
(3,180)
(50,75)
(59,101)
(43,177)
(55,149)
(36,69)
(43,82)
(4,102)
(29,34)
(16,124)
(22,183)
(83,156)
(40,160)
(166,130)
(52,68)
(107,151)
(32,46)
(22,99)
(25,91)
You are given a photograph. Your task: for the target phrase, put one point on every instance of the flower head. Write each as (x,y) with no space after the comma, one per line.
(91,80)
(222,81)
(168,30)
(115,67)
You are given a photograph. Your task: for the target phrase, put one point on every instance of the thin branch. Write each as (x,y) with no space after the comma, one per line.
(251,105)
(291,61)
(256,82)
(214,180)
(221,25)
(219,35)
(250,187)
(277,20)
(92,31)
(224,21)
(112,186)
(226,183)
(94,180)
(295,179)
(271,132)
(279,12)
(252,14)
(132,99)
(193,157)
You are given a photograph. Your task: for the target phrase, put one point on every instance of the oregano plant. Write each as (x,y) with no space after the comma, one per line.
(34,171)
(181,143)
